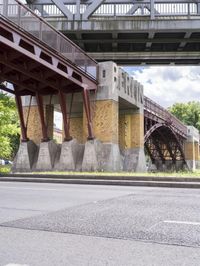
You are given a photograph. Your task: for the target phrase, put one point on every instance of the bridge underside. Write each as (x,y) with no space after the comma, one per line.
(37,70)
(133,41)
(127,32)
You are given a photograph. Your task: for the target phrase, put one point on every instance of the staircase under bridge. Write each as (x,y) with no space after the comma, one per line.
(107,121)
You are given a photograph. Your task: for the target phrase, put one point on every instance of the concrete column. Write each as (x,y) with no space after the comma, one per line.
(134,158)
(131,131)
(137,130)
(190,154)
(196,147)
(192,148)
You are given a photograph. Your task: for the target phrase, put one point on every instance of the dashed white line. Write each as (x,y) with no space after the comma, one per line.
(27,188)
(181,222)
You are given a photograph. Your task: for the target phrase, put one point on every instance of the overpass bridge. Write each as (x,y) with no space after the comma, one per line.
(127,31)
(107,121)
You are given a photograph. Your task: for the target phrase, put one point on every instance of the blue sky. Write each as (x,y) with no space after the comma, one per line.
(168,84)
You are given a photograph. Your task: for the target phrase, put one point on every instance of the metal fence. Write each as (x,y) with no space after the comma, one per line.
(115,9)
(29,21)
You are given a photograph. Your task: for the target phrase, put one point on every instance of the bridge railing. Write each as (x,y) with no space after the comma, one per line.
(160,112)
(26,19)
(128,8)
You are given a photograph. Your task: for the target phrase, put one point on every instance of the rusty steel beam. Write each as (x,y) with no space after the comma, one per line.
(40,77)
(21,116)
(52,61)
(4,88)
(88,114)
(63,107)
(42,117)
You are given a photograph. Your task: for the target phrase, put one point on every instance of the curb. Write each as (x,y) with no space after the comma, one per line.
(103,177)
(100,181)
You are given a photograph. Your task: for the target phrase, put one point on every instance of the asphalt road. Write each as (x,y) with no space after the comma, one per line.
(61,225)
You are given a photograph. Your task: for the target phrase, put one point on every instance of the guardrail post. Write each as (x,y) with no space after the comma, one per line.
(5,8)
(152,14)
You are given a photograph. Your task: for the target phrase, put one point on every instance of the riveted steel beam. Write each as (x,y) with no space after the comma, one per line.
(21,116)
(42,117)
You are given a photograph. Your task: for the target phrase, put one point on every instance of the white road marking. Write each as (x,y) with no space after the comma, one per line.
(14,264)
(27,188)
(181,222)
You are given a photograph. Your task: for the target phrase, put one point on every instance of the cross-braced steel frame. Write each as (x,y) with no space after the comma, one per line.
(37,69)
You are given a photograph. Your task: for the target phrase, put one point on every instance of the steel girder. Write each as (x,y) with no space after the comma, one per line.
(36,69)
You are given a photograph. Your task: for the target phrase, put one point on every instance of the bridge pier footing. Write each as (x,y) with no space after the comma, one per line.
(25,157)
(68,156)
(46,156)
(134,160)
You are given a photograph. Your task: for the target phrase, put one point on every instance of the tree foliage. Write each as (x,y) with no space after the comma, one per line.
(9,127)
(188,113)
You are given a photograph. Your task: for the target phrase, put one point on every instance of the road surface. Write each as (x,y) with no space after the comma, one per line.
(64,225)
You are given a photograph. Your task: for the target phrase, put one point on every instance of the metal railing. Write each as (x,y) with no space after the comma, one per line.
(115,9)
(29,21)
(158,111)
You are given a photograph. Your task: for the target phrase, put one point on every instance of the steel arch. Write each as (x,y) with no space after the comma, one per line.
(172,144)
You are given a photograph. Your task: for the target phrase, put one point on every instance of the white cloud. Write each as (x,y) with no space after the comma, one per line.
(167,85)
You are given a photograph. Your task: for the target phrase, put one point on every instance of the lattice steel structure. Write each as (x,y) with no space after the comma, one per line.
(128,32)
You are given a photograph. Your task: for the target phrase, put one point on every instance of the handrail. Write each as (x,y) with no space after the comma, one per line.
(157,110)
(26,19)
(129,8)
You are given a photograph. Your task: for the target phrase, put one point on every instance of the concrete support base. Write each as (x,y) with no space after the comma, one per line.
(168,166)
(25,157)
(72,156)
(193,165)
(101,157)
(90,160)
(68,156)
(46,156)
(109,158)
(134,160)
